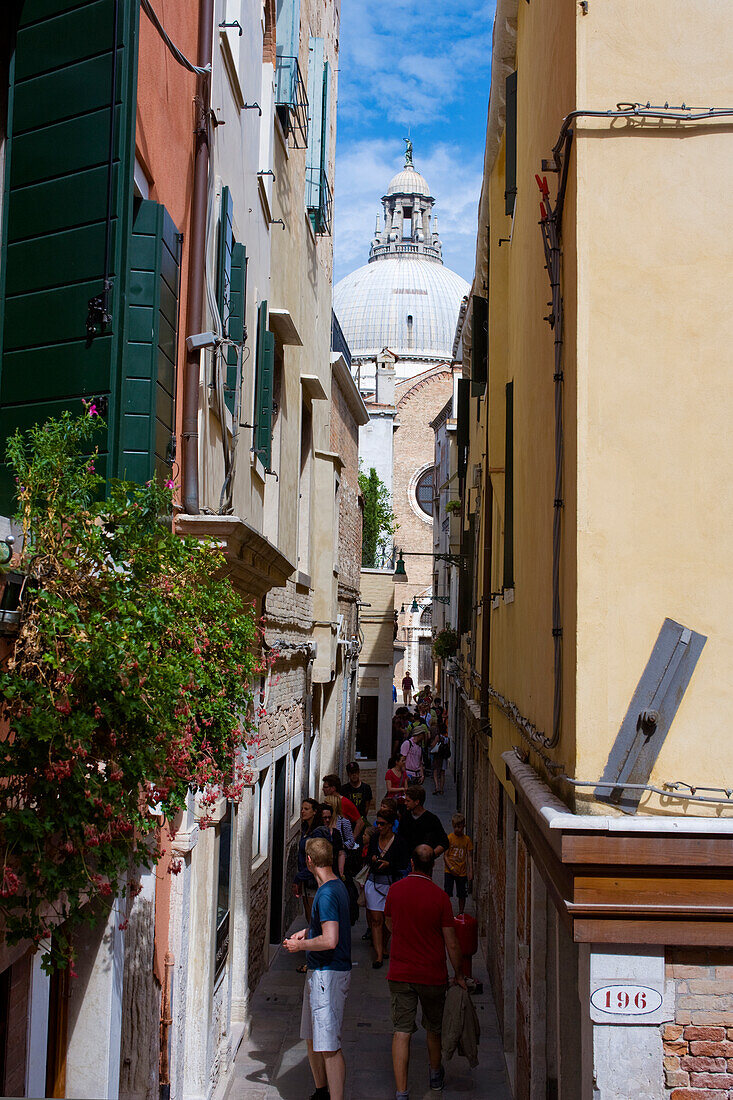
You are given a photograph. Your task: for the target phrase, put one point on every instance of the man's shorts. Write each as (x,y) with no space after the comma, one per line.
(461,882)
(405,997)
(324,998)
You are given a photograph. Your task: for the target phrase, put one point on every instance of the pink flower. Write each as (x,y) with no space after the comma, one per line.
(10,883)
(170,483)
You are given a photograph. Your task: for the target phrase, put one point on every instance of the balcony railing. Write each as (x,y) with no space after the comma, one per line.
(291,101)
(338,340)
(319,200)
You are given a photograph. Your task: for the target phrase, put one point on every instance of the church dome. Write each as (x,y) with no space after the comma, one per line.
(408,182)
(404,303)
(404,299)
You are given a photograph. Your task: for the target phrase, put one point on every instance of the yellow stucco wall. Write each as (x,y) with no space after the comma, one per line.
(655,505)
(647,258)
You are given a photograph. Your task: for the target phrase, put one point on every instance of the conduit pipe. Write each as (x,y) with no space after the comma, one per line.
(197,265)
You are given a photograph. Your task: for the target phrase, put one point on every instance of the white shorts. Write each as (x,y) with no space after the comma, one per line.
(375,895)
(324,999)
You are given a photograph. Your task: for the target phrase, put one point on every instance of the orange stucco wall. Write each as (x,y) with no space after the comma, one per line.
(164,145)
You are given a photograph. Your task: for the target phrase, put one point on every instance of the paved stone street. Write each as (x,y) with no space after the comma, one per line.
(273,1062)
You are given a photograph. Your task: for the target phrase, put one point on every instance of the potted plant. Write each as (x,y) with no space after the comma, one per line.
(454,507)
(445,643)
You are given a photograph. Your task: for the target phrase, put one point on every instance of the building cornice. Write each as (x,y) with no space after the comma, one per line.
(349,388)
(254,563)
(646,879)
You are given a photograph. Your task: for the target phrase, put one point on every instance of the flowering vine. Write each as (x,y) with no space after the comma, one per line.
(128,685)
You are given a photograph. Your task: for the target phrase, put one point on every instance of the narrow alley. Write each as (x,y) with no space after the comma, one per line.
(273,1062)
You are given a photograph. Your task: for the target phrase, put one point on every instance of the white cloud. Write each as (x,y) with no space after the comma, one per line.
(362,174)
(419,64)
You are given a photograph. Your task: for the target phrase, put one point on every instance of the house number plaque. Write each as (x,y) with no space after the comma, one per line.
(626,1000)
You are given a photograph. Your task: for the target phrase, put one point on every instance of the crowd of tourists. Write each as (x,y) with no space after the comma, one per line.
(349,858)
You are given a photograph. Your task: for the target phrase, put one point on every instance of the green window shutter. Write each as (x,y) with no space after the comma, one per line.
(55,213)
(464,404)
(508,581)
(325,115)
(149,363)
(224,259)
(480,342)
(264,388)
(314,154)
(237,301)
(287,34)
(510,175)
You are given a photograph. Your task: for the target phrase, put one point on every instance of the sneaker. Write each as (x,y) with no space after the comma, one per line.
(402,1096)
(437,1079)
(321,1094)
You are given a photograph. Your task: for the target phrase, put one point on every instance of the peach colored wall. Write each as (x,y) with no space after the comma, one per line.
(164,139)
(164,148)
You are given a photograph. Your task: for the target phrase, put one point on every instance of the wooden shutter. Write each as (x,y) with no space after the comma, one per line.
(510,175)
(464,403)
(509,490)
(55,212)
(287,34)
(149,364)
(237,305)
(480,348)
(315,124)
(224,259)
(264,388)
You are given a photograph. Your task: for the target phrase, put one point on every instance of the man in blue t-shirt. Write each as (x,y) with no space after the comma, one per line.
(327,943)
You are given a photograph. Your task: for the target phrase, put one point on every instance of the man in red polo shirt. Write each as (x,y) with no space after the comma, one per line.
(420,917)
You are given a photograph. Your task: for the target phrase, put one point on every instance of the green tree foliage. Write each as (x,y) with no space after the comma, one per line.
(127,688)
(378,523)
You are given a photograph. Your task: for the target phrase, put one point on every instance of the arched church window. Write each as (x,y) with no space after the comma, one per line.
(426,619)
(424,491)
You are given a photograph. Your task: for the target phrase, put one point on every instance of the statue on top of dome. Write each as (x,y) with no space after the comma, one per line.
(408,152)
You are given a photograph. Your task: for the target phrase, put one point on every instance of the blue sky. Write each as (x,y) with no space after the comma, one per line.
(422,64)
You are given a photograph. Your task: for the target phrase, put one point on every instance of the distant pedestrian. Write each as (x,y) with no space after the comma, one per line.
(439,755)
(407,686)
(412,750)
(332,785)
(387,859)
(458,862)
(334,837)
(396,778)
(327,943)
(304,883)
(394,693)
(420,917)
(360,793)
(420,826)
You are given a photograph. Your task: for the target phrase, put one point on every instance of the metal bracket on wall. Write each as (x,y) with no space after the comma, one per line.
(650,715)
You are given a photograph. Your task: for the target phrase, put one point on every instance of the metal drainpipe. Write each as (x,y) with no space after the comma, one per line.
(197,268)
(165,1023)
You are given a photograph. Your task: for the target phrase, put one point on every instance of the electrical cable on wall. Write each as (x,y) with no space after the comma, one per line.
(551,228)
(179,56)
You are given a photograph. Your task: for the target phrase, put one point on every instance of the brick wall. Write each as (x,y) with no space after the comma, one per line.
(259,931)
(698,1046)
(523,972)
(20,974)
(345,442)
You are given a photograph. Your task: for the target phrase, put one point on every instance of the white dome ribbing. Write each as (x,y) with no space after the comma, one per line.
(404,298)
